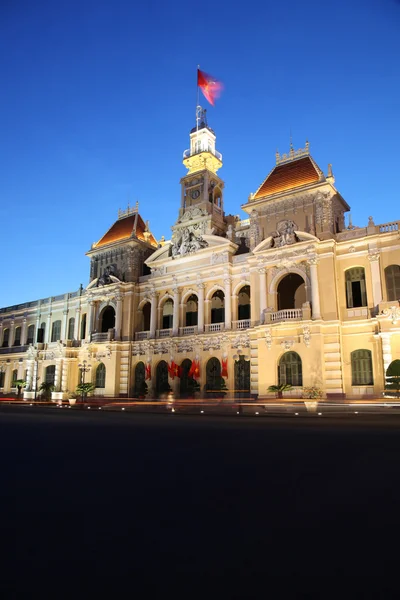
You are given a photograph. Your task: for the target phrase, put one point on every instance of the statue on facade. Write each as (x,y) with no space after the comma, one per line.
(284,235)
(187,243)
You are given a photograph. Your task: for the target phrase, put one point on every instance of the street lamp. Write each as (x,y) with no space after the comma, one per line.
(84,368)
(35,376)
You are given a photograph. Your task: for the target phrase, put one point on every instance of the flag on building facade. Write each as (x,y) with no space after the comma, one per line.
(210,86)
(194,370)
(147,371)
(224,369)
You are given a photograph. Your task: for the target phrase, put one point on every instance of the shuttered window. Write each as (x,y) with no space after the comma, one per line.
(101,376)
(361,368)
(392,277)
(290,369)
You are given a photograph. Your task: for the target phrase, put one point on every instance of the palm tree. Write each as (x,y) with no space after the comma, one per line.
(19,384)
(279,389)
(46,388)
(83,389)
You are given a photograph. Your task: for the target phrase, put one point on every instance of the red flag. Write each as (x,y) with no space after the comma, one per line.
(195,369)
(224,370)
(171,369)
(210,86)
(177,370)
(147,371)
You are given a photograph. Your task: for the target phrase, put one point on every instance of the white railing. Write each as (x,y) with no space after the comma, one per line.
(188,152)
(214,327)
(387,227)
(189,330)
(99,337)
(286,314)
(142,335)
(163,333)
(242,324)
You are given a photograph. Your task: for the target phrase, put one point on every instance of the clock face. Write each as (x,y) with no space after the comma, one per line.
(195,194)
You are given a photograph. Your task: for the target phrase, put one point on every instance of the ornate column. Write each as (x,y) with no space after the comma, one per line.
(386,350)
(316,308)
(37,328)
(57,375)
(118,318)
(153,314)
(263,292)
(29,374)
(92,307)
(235,316)
(64,375)
(64,325)
(77,323)
(11,336)
(47,336)
(200,316)
(373,257)
(228,305)
(24,331)
(175,316)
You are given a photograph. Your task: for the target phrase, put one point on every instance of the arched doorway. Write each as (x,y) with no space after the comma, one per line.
(244,311)
(242,377)
(107,319)
(214,382)
(392,379)
(146,316)
(187,385)
(291,292)
(140,388)
(162,385)
(218,307)
(191,311)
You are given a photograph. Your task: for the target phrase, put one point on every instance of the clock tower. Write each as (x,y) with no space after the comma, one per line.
(202,189)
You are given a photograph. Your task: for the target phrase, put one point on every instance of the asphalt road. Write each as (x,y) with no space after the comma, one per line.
(91,500)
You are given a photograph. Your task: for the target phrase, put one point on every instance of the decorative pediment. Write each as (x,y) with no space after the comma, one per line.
(287,238)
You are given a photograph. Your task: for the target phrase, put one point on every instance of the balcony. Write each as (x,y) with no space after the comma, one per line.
(13,349)
(99,337)
(242,324)
(287,314)
(142,335)
(212,327)
(188,153)
(189,330)
(164,333)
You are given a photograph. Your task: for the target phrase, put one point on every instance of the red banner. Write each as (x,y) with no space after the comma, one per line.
(224,370)
(148,371)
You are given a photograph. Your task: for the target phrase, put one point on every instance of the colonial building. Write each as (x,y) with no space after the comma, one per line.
(287,295)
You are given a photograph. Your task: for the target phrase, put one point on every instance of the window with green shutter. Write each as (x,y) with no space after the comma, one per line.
(290,369)
(56,331)
(392,278)
(101,376)
(361,368)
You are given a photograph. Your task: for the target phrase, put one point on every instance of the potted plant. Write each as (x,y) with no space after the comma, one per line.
(45,390)
(19,384)
(279,389)
(83,389)
(72,398)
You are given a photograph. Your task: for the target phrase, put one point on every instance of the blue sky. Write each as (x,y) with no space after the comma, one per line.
(97,99)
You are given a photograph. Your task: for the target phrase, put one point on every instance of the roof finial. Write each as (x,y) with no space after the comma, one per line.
(291,142)
(137,205)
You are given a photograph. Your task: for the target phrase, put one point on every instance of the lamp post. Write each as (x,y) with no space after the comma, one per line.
(36,376)
(84,368)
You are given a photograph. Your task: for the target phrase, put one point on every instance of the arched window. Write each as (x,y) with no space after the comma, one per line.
(356,294)
(17,336)
(6,337)
(244,311)
(392,278)
(71,328)
(162,384)
(14,377)
(218,307)
(31,334)
(140,380)
(56,331)
(107,319)
(361,368)
(101,376)
(392,380)
(50,376)
(146,316)
(41,332)
(191,310)
(167,314)
(214,381)
(291,292)
(290,369)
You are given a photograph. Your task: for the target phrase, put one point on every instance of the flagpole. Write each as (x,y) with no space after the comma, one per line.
(197,107)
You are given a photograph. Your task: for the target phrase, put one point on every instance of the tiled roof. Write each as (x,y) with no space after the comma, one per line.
(294,174)
(123,229)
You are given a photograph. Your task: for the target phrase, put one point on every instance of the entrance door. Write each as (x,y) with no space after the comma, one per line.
(162,385)
(242,378)
(187,384)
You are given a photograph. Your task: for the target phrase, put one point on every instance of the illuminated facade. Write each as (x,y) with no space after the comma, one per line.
(288,295)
